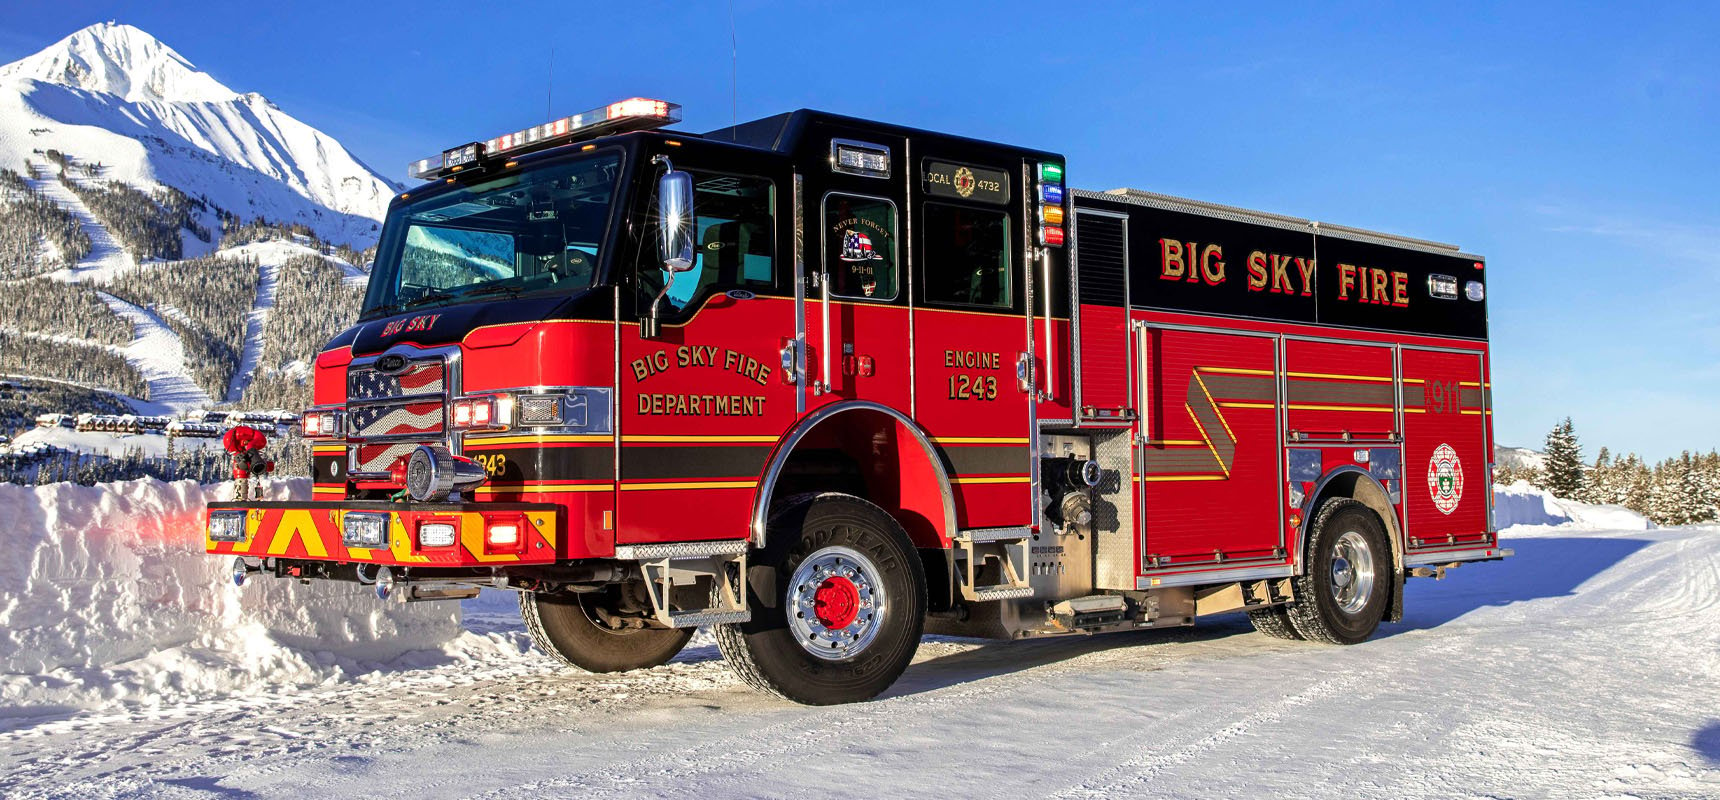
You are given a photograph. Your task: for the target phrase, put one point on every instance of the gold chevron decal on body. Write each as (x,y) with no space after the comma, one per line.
(1210,457)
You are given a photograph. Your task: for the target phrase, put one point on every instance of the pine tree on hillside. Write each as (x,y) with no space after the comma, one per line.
(1564,471)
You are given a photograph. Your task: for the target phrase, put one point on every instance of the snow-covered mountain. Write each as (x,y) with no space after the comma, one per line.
(112,94)
(1519,457)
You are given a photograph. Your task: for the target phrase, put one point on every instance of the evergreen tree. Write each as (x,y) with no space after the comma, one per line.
(1564,471)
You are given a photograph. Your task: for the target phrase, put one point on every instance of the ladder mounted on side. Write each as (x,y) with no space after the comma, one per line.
(693,583)
(996,556)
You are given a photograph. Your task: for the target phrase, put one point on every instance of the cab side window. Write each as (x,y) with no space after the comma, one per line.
(860,246)
(967,256)
(735,242)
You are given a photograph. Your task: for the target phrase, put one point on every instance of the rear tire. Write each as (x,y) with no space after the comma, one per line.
(565,628)
(1274,622)
(1342,595)
(838,614)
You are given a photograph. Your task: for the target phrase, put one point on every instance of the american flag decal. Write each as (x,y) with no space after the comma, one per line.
(379,457)
(422,377)
(422,417)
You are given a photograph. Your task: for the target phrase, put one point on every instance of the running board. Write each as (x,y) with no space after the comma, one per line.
(1005,551)
(693,583)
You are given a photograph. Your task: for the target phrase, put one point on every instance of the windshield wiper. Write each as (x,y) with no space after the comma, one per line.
(431,296)
(494,288)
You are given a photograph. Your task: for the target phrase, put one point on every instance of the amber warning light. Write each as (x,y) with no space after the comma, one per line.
(635,114)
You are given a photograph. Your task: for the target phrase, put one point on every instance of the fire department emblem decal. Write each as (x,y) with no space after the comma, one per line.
(857,246)
(964,182)
(1445,479)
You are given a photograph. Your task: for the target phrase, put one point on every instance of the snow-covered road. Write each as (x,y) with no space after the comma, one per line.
(1586,666)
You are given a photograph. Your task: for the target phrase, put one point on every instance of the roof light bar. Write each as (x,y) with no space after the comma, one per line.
(633,114)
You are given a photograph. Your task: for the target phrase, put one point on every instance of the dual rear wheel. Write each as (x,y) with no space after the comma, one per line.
(1342,594)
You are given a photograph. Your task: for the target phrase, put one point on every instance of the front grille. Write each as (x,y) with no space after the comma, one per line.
(409,418)
(379,457)
(390,413)
(423,377)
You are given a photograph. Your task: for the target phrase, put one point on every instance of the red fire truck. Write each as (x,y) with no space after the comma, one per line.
(825,384)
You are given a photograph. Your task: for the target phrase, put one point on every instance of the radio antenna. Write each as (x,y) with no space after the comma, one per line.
(734,78)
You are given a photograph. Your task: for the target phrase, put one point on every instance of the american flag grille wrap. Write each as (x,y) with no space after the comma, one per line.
(379,457)
(417,418)
(421,377)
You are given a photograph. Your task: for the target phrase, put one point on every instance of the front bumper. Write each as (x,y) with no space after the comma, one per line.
(313,532)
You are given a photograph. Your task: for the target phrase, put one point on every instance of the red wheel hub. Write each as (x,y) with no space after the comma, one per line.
(836,602)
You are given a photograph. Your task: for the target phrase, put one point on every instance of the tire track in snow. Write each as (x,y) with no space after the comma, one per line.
(1132,778)
(815,730)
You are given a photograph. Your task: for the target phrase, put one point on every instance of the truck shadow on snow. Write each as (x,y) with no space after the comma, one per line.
(1706,742)
(1542,568)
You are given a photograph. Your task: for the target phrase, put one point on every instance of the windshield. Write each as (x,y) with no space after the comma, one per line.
(539,230)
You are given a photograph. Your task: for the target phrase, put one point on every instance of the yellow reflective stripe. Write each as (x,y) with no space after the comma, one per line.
(733,439)
(1166,478)
(474,441)
(1331,377)
(981,439)
(1010,479)
(543,488)
(1236,371)
(638,487)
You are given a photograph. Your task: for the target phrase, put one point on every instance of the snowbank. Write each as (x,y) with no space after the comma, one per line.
(1522,504)
(107,596)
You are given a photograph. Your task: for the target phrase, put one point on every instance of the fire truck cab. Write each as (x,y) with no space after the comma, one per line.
(825,384)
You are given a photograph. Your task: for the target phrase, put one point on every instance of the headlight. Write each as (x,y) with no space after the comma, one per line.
(436,534)
(227,526)
(364,530)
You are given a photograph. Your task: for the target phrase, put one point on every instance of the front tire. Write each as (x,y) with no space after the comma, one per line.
(838,613)
(1342,595)
(567,628)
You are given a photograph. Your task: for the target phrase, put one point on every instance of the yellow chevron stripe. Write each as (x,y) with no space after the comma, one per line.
(1221,420)
(1209,447)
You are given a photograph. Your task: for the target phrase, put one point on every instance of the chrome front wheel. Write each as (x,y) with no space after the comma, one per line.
(837,600)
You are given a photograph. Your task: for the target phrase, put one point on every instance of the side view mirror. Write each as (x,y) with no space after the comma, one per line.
(675,233)
(675,220)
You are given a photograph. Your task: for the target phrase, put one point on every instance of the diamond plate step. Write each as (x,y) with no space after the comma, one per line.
(988,593)
(693,619)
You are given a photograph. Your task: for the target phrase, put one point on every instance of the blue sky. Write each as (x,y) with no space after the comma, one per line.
(1573,145)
